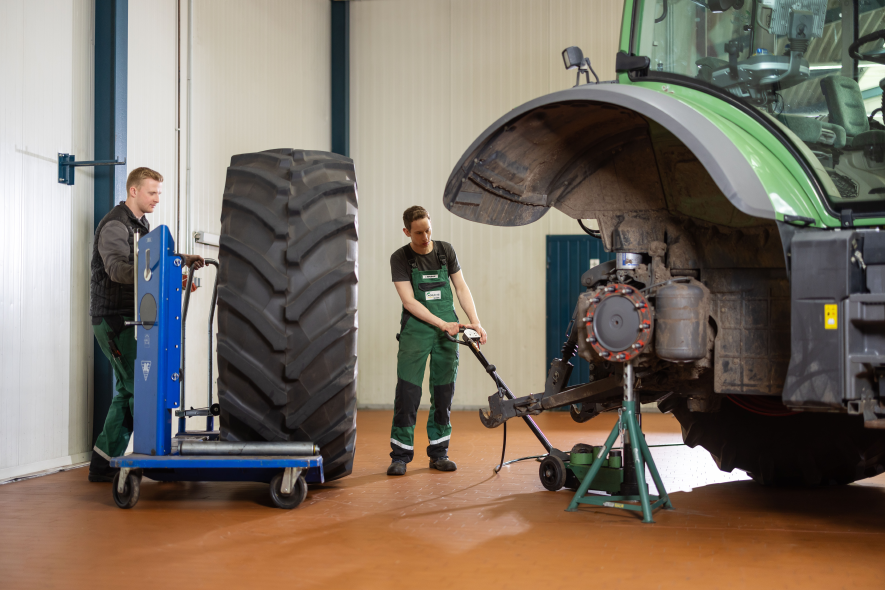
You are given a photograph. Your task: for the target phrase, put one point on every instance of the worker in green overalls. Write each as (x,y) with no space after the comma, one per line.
(421,271)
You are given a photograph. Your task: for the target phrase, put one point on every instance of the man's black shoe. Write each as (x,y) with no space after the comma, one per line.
(397,468)
(443,464)
(100,469)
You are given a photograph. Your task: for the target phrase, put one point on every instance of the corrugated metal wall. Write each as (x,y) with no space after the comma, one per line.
(427,77)
(261,80)
(46,56)
(152,99)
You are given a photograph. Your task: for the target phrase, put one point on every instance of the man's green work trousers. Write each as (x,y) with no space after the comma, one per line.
(120,349)
(418,340)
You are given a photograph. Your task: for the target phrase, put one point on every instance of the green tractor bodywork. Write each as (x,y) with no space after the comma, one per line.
(735,155)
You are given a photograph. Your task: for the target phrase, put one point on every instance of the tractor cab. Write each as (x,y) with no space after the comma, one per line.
(815,66)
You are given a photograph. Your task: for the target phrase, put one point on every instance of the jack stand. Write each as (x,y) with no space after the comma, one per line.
(627,423)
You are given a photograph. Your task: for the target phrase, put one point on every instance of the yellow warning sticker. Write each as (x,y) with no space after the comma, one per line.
(831,316)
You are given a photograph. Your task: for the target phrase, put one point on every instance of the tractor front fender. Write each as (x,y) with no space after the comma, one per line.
(587,151)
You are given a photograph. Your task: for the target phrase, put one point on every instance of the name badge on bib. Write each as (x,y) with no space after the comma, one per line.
(433,295)
(430,276)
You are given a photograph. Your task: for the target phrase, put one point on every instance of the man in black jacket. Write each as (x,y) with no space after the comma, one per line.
(112,304)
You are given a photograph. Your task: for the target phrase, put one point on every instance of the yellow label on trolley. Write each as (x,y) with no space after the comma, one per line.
(831,316)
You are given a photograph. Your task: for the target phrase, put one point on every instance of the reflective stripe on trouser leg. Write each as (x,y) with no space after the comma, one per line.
(443,372)
(118,424)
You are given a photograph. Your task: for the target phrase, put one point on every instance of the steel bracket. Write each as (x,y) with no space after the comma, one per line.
(290,475)
(121,481)
(66,165)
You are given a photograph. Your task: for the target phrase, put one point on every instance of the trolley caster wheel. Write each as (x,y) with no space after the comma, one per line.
(215,409)
(131,490)
(290,501)
(552,473)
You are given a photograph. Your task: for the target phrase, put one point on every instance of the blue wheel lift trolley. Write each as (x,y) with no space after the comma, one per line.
(159,377)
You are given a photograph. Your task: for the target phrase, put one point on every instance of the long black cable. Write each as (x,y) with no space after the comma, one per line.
(503,448)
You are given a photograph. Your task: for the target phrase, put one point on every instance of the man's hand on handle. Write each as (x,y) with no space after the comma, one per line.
(483,337)
(451,328)
(198,262)
(194,259)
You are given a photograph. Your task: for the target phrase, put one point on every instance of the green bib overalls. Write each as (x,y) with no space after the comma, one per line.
(417,339)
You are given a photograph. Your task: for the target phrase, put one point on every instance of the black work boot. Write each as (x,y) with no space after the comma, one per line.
(100,469)
(443,464)
(396,468)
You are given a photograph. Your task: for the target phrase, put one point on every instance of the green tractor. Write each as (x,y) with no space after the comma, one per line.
(736,167)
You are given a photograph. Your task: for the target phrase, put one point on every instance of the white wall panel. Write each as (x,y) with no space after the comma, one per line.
(42,44)
(427,77)
(261,80)
(152,100)
(82,208)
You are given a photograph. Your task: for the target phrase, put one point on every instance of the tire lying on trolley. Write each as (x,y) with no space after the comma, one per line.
(287,302)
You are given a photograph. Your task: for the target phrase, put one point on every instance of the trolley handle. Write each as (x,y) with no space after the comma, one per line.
(185,306)
(469,336)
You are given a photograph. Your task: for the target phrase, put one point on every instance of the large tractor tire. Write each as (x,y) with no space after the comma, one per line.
(287,302)
(804,449)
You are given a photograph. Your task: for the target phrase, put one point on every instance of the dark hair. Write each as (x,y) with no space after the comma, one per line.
(414,213)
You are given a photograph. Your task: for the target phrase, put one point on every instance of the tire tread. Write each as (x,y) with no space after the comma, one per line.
(287,363)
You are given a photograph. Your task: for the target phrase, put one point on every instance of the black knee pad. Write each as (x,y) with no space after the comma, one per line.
(442,401)
(405,404)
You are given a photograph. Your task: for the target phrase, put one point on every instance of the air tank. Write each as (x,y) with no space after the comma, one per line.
(680,323)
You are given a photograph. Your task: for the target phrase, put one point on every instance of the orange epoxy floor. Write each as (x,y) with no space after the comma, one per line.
(468,529)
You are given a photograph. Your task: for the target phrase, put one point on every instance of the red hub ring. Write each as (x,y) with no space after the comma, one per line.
(645,322)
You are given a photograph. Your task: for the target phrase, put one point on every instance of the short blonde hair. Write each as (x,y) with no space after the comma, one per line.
(139,174)
(414,213)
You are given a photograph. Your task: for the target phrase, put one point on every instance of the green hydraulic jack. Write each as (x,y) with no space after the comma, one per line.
(628,424)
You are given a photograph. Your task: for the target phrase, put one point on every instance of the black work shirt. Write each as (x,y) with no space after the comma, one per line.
(402,272)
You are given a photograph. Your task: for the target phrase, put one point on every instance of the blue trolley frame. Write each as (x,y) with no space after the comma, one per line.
(158,386)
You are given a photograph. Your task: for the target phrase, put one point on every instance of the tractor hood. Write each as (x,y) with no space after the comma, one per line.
(587,151)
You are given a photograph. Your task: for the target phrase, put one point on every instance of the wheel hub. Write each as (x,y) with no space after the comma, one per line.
(619,323)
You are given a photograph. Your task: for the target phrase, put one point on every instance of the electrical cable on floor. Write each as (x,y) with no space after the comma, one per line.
(525,459)
(503,448)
